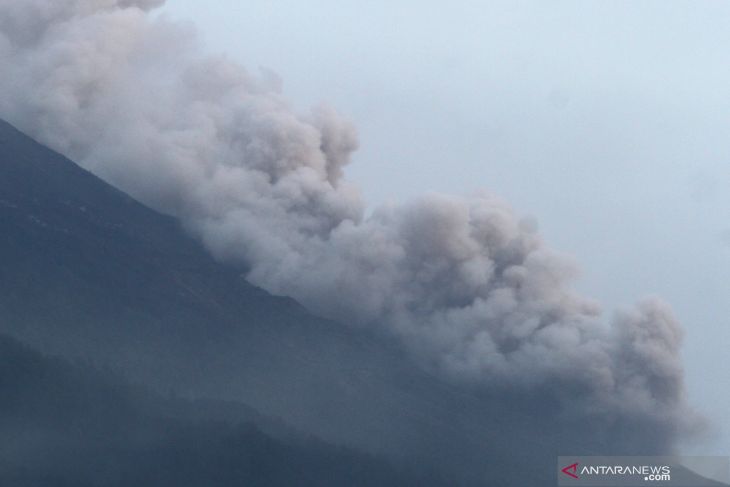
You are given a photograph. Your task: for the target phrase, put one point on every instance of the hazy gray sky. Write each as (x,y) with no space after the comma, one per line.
(606,121)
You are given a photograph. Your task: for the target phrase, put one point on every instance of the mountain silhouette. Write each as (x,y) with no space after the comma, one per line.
(66,424)
(90,276)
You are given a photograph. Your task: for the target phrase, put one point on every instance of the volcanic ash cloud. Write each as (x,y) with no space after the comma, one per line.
(466,287)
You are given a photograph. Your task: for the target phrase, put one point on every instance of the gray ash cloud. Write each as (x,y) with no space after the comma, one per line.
(463,284)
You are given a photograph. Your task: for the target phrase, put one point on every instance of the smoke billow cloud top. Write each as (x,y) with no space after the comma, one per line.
(463,284)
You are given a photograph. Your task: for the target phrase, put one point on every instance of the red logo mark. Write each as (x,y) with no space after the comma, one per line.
(571,470)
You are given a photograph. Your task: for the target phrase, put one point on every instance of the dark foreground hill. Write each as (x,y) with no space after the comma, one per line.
(72,425)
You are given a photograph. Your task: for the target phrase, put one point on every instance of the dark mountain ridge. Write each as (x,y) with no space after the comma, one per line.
(65,424)
(88,273)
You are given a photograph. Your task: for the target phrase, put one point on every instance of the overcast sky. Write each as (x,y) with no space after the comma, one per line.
(609,122)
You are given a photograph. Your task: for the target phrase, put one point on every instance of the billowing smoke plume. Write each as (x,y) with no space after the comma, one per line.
(465,286)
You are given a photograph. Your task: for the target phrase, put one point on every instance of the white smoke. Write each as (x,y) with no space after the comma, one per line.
(467,287)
